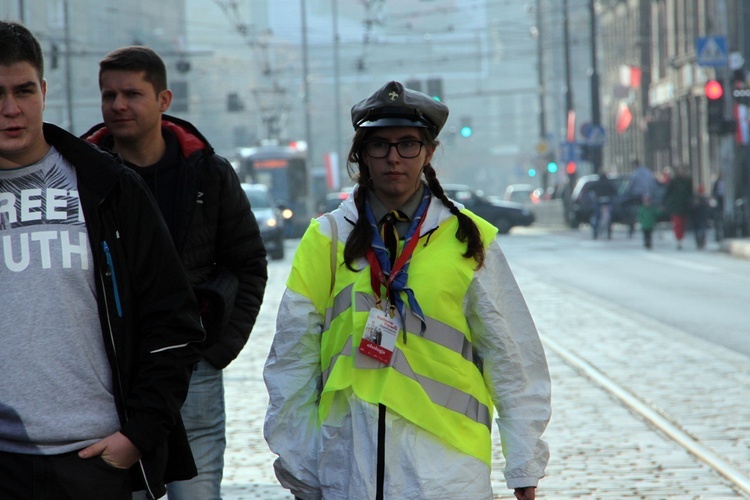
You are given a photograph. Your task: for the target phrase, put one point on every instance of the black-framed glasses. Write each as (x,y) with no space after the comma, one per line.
(405,149)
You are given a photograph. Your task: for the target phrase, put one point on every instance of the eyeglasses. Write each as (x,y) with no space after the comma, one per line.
(405,149)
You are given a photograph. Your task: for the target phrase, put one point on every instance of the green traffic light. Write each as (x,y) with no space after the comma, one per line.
(466,131)
(532,172)
(552,167)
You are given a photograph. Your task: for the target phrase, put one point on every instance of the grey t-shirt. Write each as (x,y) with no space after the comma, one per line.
(55,381)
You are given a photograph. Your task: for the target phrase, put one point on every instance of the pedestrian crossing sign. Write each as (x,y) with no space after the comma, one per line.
(711,51)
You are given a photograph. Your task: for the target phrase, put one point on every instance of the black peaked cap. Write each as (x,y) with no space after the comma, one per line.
(392,105)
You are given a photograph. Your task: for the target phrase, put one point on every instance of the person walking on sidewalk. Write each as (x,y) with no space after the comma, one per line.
(678,202)
(648,215)
(718,194)
(700,215)
(602,192)
(641,182)
(216,234)
(408,416)
(98,323)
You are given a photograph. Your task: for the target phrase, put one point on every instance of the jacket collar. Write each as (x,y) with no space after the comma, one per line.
(436,212)
(96,169)
(190,139)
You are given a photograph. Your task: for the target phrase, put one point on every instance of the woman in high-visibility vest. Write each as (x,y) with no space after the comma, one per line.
(387,366)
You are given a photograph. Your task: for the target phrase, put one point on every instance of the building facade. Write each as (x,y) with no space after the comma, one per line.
(659,56)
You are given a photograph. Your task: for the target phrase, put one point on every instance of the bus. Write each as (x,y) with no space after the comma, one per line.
(283,169)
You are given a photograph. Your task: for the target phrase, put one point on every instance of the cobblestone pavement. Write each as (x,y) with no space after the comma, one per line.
(599,448)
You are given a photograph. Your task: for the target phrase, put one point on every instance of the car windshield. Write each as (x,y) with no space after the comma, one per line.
(258,198)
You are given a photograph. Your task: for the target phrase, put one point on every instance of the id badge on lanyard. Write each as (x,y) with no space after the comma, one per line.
(379,339)
(381,329)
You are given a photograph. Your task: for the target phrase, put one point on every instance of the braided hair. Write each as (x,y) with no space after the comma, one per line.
(360,238)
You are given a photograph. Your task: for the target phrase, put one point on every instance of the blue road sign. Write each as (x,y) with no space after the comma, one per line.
(711,51)
(593,134)
(568,152)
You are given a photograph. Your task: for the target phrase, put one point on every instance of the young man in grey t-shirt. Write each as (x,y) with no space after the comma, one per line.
(98,324)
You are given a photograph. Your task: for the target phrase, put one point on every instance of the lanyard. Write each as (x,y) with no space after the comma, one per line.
(377,276)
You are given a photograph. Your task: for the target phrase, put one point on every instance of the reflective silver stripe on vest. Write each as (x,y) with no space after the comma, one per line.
(345,351)
(341,303)
(439,393)
(436,331)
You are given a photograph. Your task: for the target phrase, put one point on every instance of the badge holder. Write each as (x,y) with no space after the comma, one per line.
(379,339)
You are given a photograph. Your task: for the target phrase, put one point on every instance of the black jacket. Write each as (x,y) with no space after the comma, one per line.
(217,238)
(149,316)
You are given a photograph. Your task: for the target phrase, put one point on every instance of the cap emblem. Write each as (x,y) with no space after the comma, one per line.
(393,95)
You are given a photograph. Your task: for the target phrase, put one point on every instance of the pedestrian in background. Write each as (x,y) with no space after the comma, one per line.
(718,192)
(701,214)
(642,182)
(99,326)
(409,417)
(648,214)
(602,193)
(678,201)
(216,234)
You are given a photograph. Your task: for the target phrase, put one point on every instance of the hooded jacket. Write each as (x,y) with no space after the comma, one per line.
(149,316)
(217,237)
(337,458)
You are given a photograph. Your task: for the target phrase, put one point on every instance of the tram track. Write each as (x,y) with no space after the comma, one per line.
(655,416)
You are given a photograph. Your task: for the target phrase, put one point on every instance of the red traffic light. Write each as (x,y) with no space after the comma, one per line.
(570,168)
(713,89)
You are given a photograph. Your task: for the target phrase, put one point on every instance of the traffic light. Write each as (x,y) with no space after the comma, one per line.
(532,172)
(570,168)
(715,95)
(435,88)
(414,85)
(552,167)
(466,129)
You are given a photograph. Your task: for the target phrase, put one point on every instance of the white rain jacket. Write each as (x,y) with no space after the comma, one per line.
(338,459)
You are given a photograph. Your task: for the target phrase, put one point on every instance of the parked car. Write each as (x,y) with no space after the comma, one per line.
(525,194)
(624,207)
(332,201)
(269,216)
(582,201)
(504,215)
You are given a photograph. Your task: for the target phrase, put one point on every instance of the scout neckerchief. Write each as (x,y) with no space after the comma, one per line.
(394,278)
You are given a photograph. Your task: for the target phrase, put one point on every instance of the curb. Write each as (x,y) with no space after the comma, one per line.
(736,247)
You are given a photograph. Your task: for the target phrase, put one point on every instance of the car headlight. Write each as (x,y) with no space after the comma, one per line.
(271,222)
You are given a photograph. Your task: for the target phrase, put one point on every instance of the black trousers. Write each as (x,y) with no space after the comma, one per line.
(61,477)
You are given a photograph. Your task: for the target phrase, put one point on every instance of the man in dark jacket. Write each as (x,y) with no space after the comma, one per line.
(99,326)
(602,193)
(216,234)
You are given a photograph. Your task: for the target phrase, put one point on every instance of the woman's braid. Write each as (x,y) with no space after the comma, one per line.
(361,235)
(467,232)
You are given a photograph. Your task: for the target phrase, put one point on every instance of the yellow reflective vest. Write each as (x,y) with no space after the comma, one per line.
(432,379)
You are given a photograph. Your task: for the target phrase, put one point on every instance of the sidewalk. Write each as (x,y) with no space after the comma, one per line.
(600,449)
(549,214)
(739,247)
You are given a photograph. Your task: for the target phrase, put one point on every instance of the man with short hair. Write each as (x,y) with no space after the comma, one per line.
(214,230)
(642,181)
(99,326)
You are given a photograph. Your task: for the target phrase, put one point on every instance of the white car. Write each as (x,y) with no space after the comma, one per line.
(269,217)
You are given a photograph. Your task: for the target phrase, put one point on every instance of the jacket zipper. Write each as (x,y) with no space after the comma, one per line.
(111,272)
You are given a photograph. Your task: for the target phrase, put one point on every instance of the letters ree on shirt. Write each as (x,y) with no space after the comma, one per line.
(41,221)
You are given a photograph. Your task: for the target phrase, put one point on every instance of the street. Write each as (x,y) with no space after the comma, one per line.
(649,368)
